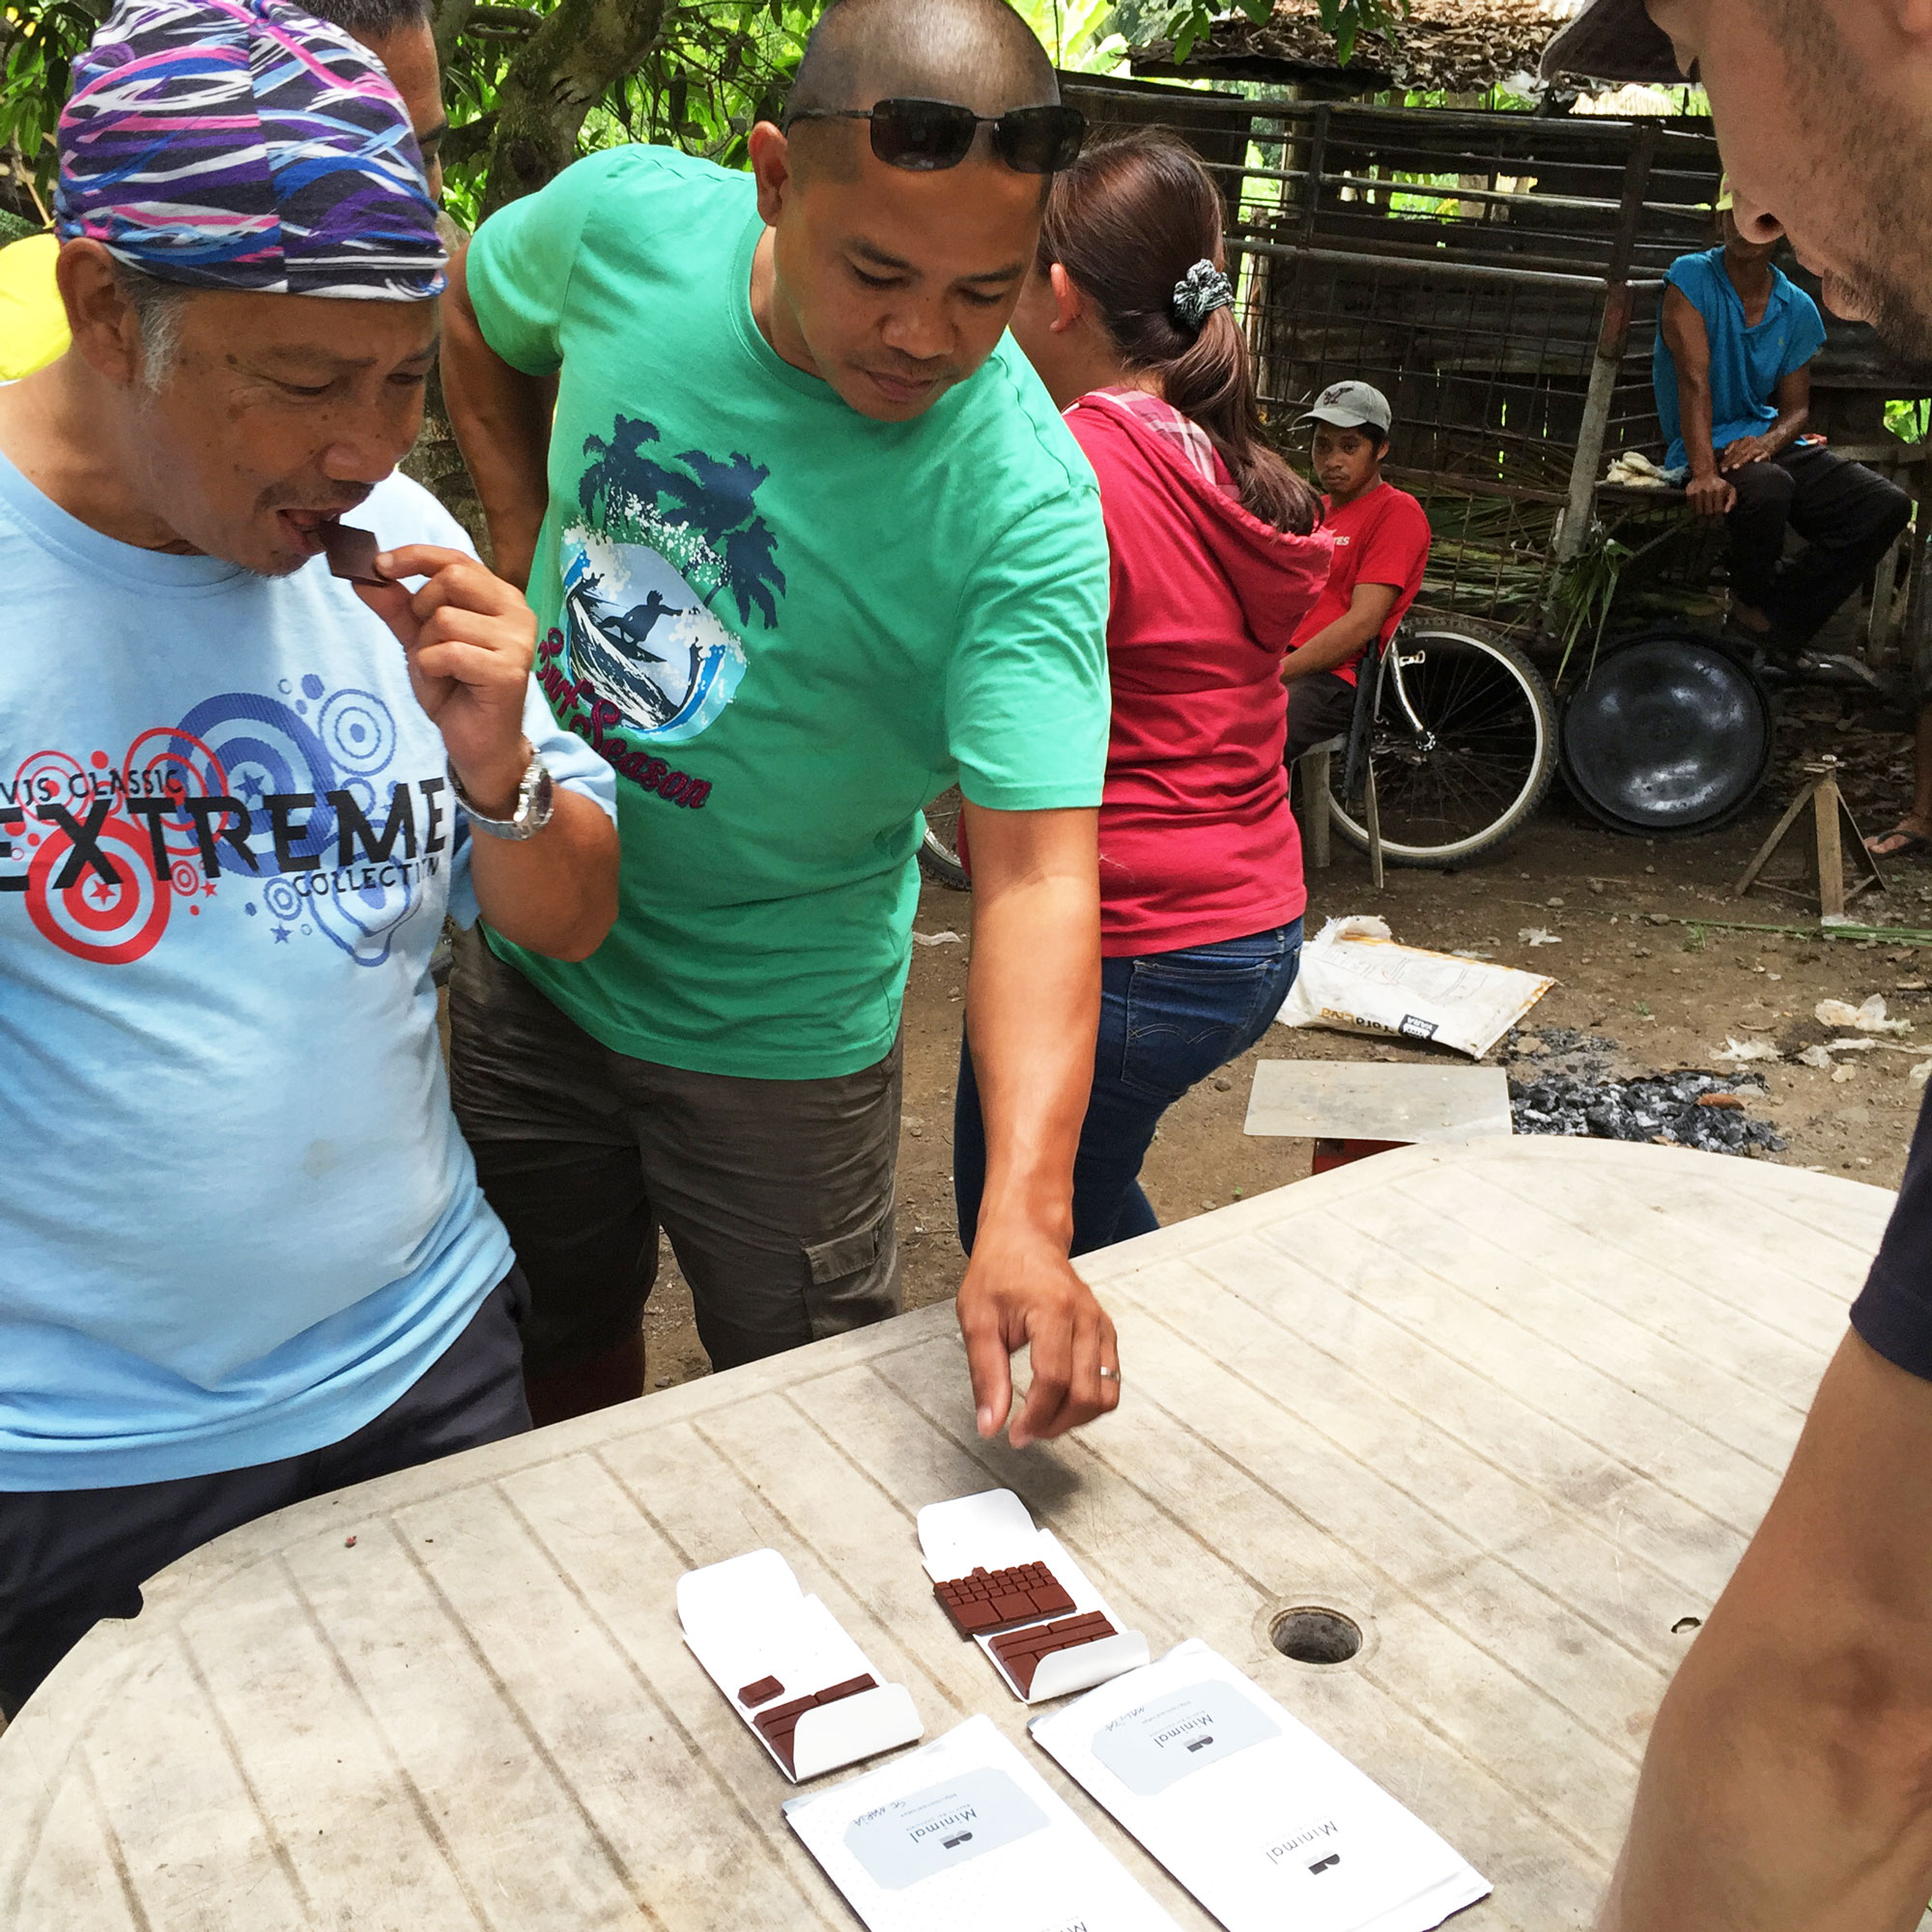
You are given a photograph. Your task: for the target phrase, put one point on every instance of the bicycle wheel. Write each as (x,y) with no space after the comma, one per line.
(1481,764)
(939,850)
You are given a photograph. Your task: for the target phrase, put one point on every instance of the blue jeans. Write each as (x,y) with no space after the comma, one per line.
(1167,1020)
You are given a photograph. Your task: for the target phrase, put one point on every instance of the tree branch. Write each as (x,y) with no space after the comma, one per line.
(567,66)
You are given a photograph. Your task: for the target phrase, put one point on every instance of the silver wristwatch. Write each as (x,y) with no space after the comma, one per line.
(536,800)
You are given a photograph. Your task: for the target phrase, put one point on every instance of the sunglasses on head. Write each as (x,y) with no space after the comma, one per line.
(923,135)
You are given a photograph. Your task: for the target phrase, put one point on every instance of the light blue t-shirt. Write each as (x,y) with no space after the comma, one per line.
(1746,364)
(237,1219)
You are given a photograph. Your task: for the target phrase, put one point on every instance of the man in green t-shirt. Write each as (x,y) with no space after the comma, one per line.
(808,543)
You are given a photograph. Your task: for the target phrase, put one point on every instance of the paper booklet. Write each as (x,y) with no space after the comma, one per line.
(965,1835)
(1019,1595)
(808,1693)
(1267,1826)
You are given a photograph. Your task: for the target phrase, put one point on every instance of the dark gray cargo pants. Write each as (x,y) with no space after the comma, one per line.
(777,1194)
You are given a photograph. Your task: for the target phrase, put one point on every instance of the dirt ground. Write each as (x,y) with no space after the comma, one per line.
(1651,953)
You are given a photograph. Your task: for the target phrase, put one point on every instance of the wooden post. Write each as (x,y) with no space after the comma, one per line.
(1826,804)
(1374,817)
(1831,821)
(1317,159)
(1885,587)
(1313,766)
(1611,341)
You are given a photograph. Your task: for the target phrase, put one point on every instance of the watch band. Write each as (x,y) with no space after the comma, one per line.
(536,801)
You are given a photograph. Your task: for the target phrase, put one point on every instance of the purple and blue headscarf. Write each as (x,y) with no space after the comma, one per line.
(244,144)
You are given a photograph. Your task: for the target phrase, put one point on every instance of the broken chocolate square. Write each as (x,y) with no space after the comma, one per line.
(760,1692)
(352,553)
(779,1725)
(1021,1649)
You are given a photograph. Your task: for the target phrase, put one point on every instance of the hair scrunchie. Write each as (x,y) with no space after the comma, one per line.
(1198,294)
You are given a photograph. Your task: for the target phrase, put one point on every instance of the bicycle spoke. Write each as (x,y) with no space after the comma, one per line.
(1486,747)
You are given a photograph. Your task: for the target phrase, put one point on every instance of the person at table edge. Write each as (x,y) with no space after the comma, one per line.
(1787,1786)
(244,1257)
(807,542)
(1732,371)
(1381,549)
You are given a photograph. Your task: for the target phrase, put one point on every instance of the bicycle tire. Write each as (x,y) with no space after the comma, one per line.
(1526,718)
(938,850)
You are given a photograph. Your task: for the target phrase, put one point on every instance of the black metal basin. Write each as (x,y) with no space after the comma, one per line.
(1669,733)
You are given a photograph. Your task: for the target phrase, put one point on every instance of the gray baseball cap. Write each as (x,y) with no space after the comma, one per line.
(1349,406)
(1612,40)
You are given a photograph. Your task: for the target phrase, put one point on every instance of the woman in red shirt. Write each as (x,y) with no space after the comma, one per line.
(1217,555)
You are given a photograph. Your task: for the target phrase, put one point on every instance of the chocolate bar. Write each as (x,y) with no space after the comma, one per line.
(1021,1649)
(781,1724)
(996,1600)
(352,553)
(760,1692)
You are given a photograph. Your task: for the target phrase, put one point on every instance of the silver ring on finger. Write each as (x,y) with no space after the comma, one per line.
(1109,1374)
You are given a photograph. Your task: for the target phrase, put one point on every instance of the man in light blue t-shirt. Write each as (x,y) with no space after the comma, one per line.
(1732,373)
(244,1257)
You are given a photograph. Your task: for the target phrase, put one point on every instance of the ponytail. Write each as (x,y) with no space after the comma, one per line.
(1136,223)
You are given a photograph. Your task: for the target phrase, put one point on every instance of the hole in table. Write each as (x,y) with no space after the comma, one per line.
(1683,1625)
(1311,1634)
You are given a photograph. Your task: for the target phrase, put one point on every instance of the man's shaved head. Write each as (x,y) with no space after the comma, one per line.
(977,53)
(894,284)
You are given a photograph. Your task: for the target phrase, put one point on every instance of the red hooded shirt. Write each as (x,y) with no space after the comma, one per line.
(1197,843)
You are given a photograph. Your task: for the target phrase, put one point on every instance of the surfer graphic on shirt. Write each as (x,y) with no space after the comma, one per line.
(657,542)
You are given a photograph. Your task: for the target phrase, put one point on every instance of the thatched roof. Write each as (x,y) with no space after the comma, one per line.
(1461,46)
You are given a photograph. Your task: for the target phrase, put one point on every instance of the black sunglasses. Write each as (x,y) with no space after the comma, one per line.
(925,135)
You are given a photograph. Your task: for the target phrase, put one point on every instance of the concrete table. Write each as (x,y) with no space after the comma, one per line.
(1514,1406)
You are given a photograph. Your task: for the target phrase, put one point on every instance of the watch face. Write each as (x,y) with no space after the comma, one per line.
(543,800)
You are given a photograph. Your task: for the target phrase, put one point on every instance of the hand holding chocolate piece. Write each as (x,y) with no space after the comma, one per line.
(352,553)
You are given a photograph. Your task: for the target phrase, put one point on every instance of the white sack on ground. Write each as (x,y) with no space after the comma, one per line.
(1355,978)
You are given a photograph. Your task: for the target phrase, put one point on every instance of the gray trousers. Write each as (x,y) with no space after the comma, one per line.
(777,1194)
(70,1557)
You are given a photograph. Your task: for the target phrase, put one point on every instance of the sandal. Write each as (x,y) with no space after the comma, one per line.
(1900,842)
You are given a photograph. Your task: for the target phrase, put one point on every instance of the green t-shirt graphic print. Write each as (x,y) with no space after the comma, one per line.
(785,626)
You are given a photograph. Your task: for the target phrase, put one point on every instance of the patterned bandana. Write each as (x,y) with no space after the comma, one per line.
(244,144)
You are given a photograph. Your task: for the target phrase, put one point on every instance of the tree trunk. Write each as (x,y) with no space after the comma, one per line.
(562,72)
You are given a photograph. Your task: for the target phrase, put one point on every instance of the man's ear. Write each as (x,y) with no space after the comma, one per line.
(107,331)
(771,167)
(1068,303)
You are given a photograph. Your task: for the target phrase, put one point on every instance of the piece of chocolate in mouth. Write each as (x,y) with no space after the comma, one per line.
(352,553)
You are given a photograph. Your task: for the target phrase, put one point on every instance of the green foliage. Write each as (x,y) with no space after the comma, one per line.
(1910,421)
(39,39)
(713,71)
(717,66)
(1584,591)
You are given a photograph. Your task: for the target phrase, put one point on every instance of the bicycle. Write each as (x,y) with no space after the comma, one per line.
(1457,728)
(939,849)
(1452,748)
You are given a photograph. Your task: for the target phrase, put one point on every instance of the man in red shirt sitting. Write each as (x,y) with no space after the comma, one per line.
(1382,547)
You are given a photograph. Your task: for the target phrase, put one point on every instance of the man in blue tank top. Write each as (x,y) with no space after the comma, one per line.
(1733,377)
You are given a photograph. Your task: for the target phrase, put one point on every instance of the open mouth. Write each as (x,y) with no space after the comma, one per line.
(309,529)
(305,528)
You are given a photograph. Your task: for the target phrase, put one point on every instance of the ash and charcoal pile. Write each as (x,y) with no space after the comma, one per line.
(1560,1084)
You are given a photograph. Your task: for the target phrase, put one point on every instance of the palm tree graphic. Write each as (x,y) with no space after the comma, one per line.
(621,487)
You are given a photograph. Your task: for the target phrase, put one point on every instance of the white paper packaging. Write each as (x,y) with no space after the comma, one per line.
(994,1531)
(966,1837)
(1355,978)
(1267,1826)
(747,1619)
